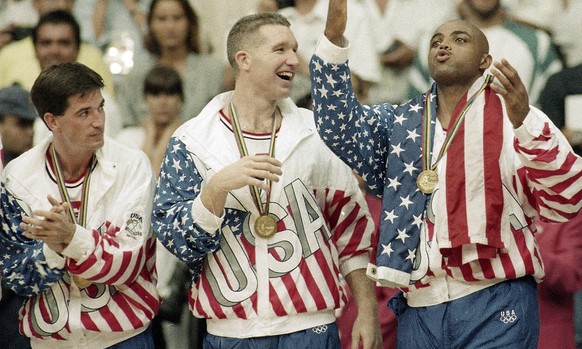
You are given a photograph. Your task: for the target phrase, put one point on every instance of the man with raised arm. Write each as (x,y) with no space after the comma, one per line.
(462,171)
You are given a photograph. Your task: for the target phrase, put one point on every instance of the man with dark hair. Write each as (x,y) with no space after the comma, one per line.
(265,216)
(76,217)
(463,170)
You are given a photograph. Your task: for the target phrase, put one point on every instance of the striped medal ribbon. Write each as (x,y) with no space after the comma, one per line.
(428,177)
(265,225)
(82,219)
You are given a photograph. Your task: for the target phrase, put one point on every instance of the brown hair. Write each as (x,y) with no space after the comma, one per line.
(192,41)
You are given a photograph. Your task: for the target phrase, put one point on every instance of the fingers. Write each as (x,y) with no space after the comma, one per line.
(53,201)
(507,77)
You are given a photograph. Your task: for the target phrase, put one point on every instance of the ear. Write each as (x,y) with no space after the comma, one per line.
(486,61)
(243,60)
(51,121)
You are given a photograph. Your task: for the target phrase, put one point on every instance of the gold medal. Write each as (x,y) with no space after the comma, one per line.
(80,282)
(265,226)
(427,181)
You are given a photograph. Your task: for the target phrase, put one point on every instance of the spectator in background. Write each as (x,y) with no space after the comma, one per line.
(529,50)
(397,28)
(18,63)
(565,83)
(307,18)
(164,97)
(17,115)
(561,249)
(15,21)
(539,14)
(114,18)
(565,29)
(172,39)
(56,40)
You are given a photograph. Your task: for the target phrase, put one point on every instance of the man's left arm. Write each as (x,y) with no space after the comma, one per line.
(551,172)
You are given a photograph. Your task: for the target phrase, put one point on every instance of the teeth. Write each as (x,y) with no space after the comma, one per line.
(286,74)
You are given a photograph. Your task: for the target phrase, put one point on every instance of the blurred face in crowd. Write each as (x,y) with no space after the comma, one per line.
(169,24)
(484,8)
(164,108)
(16,134)
(45,6)
(56,44)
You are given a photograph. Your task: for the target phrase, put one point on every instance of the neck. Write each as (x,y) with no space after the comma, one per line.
(72,165)
(447,99)
(173,55)
(254,114)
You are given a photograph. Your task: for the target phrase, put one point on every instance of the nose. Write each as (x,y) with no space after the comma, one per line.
(98,118)
(293,59)
(444,44)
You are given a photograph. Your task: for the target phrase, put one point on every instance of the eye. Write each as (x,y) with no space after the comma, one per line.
(460,40)
(435,43)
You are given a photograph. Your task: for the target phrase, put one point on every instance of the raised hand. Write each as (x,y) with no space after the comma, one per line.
(512,90)
(335,26)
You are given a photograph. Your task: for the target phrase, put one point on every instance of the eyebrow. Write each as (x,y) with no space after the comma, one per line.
(90,107)
(456,32)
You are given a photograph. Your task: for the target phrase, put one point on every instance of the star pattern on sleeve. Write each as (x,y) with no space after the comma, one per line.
(383,143)
(23,263)
(179,184)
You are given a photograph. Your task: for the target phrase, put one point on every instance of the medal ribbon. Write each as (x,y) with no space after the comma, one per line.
(242,147)
(82,219)
(427,137)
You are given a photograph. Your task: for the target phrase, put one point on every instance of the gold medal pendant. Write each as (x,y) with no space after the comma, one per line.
(427,181)
(265,226)
(80,282)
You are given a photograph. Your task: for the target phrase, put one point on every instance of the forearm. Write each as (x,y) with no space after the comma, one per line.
(366,330)
(337,14)
(362,289)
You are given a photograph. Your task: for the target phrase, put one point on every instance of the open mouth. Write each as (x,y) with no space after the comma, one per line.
(286,76)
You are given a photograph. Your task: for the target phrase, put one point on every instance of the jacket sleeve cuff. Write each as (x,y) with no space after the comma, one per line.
(353,263)
(53,259)
(81,246)
(206,219)
(331,53)
(532,127)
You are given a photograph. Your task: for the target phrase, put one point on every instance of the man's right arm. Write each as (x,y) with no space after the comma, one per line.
(23,263)
(177,198)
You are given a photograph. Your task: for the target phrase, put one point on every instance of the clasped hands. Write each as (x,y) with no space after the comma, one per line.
(53,227)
